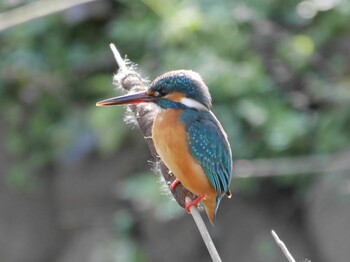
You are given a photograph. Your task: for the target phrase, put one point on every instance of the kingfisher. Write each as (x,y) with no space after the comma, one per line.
(187,136)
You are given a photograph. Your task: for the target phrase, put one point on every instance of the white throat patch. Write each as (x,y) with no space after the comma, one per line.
(192,103)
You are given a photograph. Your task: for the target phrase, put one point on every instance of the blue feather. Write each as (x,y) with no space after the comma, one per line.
(209,146)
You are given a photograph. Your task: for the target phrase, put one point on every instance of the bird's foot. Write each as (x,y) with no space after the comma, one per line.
(174,184)
(193,202)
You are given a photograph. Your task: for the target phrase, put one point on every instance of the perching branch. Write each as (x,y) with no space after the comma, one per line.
(204,233)
(283,247)
(129,80)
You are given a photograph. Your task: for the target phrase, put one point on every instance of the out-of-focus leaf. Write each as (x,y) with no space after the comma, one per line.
(107,123)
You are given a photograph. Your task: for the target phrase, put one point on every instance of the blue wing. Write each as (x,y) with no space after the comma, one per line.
(210,147)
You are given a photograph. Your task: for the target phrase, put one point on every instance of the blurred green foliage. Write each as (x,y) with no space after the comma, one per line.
(277,73)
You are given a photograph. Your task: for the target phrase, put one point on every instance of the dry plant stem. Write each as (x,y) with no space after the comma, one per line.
(283,247)
(35,10)
(118,59)
(204,233)
(129,80)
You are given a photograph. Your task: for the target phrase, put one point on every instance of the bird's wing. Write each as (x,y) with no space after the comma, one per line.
(209,145)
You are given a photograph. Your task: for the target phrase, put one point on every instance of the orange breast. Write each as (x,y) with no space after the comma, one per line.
(170,141)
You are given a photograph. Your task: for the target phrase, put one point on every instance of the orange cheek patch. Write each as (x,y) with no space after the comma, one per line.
(150,92)
(176,96)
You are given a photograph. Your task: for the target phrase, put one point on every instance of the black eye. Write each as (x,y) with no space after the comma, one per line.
(162,92)
(159,93)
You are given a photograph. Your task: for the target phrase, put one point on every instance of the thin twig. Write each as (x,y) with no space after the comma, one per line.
(143,115)
(204,233)
(129,79)
(283,247)
(118,58)
(35,10)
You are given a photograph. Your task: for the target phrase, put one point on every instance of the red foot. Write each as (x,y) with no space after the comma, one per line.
(193,202)
(174,184)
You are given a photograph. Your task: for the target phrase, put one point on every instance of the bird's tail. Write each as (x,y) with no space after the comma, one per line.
(211,204)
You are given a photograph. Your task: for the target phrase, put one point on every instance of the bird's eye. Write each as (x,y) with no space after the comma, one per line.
(162,92)
(156,94)
(159,93)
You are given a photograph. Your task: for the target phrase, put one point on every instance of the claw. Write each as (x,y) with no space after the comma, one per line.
(193,202)
(174,184)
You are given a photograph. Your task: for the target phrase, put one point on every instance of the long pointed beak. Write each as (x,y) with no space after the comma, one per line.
(129,99)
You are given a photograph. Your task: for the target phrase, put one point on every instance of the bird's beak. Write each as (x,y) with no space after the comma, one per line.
(129,99)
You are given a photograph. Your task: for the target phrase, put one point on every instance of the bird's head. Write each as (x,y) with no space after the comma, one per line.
(174,89)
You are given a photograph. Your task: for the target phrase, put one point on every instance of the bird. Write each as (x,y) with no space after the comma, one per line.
(187,136)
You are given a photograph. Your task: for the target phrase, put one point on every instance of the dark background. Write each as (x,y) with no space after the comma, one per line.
(76,184)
